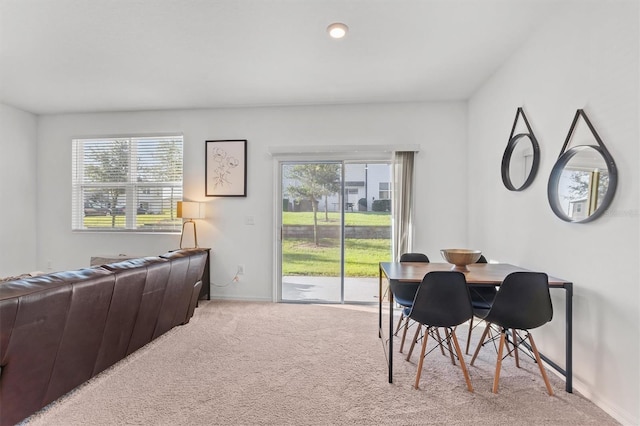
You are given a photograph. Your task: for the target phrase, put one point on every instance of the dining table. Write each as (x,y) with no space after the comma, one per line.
(479,274)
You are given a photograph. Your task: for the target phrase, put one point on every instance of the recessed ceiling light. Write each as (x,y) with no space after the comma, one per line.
(337,30)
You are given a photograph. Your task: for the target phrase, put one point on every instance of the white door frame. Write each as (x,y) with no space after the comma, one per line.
(282,154)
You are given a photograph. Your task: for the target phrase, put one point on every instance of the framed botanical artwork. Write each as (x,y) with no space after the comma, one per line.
(226,168)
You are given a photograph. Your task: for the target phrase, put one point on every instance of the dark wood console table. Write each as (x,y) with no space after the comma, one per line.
(205,290)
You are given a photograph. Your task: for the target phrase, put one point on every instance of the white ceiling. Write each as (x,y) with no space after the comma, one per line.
(61,56)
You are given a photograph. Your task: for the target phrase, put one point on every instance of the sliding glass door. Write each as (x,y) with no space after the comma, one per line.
(335,227)
(367,228)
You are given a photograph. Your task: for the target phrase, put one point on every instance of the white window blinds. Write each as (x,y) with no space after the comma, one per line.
(127,183)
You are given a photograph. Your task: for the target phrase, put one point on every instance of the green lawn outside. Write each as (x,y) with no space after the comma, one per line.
(350,218)
(302,257)
(141,219)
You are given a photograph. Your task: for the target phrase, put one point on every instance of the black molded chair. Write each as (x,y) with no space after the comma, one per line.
(404,294)
(414,257)
(442,301)
(522,303)
(481,298)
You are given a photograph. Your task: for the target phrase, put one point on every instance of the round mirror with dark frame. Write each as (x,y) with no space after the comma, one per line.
(521,157)
(583,181)
(520,162)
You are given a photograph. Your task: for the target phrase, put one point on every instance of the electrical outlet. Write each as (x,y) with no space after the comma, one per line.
(240,269)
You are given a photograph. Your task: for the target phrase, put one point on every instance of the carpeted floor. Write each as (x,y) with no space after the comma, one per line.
(248,363)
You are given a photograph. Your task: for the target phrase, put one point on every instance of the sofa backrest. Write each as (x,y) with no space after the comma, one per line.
(155,285)
(60,329)
(41,308)
(197,262)
(90,298)
(122,315)
(187,265)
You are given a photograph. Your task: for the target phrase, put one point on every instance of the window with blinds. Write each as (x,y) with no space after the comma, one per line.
(127,184)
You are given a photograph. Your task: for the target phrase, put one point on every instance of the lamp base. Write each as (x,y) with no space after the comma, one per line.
(195,234)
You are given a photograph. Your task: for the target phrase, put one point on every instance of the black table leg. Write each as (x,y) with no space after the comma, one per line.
(389,346)
(390,336)
(380,304)
(569,338)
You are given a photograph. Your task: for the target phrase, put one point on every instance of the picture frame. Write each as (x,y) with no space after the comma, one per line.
(226,168)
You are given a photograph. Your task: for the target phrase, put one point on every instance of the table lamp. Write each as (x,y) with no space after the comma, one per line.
(190,210)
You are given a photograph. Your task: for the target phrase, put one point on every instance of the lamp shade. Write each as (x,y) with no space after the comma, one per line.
(190,210)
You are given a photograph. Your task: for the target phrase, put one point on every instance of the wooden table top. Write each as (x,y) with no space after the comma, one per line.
(479,273)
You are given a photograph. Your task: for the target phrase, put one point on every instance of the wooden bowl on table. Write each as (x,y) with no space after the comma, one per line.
(460,258)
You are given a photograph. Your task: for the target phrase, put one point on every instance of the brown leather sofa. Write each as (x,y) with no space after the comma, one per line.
(59,330)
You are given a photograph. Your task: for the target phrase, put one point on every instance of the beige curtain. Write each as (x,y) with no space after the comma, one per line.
(402,203)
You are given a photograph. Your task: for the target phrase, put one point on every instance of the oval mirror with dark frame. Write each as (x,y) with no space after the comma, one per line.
(583,181)
(521,157)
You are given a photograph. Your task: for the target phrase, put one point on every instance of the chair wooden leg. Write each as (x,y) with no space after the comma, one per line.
(404,333)
(399,323)
(484,336)
(496,377)
(415,339)
(440,340)
(506,348)
(539,361)
(469,335)
(447,335)
(515,346)
(462,364)
(424,348)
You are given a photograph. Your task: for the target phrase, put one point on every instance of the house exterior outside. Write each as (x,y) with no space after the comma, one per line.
(364,183)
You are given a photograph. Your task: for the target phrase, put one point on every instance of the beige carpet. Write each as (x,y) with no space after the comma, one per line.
(249,363)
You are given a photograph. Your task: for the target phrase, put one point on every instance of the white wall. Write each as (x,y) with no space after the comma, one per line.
(440,129)
(17,191)
(584,57)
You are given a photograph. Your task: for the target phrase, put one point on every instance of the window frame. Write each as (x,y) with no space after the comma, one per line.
(133,187)
(387,190)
